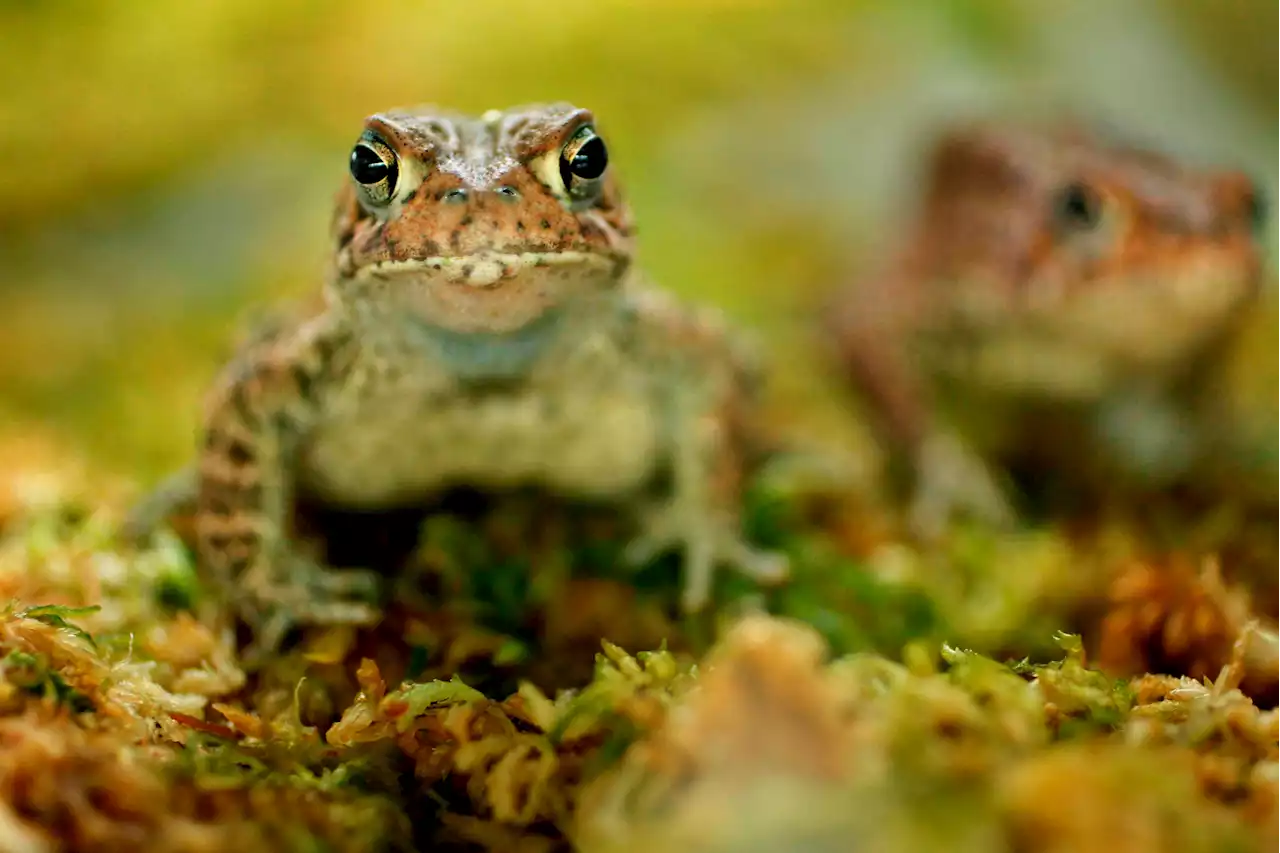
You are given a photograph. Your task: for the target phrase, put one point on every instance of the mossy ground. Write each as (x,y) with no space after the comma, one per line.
(524,693)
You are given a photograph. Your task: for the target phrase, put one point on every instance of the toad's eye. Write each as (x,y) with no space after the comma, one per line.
(373,165)
(582,163)
(1077,207)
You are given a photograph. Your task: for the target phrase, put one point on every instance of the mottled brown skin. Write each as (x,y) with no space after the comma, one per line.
(481,326)
(1058,306)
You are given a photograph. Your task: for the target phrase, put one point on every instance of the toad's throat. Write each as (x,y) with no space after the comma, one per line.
(489,357)
(489,268)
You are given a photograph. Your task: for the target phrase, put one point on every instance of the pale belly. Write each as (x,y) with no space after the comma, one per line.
(591,443)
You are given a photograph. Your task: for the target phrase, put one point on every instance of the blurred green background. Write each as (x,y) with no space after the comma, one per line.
(165,166)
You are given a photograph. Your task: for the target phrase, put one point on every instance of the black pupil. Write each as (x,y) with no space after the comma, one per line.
(1079,206)
(590,160)
(366,166)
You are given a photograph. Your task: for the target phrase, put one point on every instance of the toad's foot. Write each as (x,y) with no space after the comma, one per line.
(303,593)
(706,543)
(952,480)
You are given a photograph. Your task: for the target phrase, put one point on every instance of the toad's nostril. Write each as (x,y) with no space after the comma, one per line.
(454,196)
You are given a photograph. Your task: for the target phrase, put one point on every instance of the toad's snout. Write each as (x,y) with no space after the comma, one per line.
(480,197)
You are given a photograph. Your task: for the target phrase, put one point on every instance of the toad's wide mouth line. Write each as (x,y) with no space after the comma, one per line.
(483,269)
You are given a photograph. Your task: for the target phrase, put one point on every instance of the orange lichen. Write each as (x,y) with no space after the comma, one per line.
(1170,617)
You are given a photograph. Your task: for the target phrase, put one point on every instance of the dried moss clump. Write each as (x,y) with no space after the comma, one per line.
(507,774)
(105,742)
(65,787)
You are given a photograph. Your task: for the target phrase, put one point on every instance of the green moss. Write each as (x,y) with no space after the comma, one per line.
(1088,700)
(419,697)
(32,674)
(59,616)
(175,585)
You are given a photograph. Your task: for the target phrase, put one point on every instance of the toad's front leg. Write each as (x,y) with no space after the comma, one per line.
(702,516)
(869,331)
(256,421)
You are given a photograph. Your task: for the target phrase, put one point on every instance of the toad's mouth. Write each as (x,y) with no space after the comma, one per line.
(488,268)
(487,291)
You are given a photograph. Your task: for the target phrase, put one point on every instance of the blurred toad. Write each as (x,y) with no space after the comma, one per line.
(1059,313)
